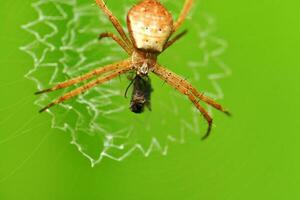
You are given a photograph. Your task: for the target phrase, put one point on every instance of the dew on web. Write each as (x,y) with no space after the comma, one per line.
(101,125)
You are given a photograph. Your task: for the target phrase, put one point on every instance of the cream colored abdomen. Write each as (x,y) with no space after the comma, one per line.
(150,26)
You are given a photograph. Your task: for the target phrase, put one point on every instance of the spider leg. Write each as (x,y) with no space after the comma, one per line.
(89,75)
(169,74)
(87,86)
(174,39)
(204,113)
(114,21)
(184,12)
(128,49)
(175,84)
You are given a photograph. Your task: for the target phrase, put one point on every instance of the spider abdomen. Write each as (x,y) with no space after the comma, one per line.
(150,25)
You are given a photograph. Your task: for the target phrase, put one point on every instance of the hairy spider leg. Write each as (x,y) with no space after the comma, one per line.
(89,75)
(114,21)
(183,90)
(88,86)
(204,113)
(184,12)
(174,39)
(129,50)
(169,74)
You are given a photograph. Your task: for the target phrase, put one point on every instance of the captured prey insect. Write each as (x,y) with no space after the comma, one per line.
(151,31)
(141,94)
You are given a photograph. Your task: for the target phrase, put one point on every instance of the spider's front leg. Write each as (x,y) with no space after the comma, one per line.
(191,97)
(88,86)
(96,72)
(185,88)
(171,75)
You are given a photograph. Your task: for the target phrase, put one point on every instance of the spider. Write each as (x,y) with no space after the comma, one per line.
(151,29)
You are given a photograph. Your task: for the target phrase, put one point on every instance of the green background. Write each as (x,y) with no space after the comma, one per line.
(253,155)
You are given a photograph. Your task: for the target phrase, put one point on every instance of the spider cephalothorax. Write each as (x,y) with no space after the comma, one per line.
(143,62)
(150,27)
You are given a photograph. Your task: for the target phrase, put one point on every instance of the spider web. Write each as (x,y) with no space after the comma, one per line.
(65,45)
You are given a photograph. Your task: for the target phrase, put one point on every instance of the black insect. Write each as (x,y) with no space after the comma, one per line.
(141,94)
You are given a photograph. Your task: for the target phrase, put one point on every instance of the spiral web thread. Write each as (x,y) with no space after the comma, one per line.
(64,46)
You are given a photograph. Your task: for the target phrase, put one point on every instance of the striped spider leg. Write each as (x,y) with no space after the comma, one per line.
(121,69)
(176,25)
(183,14)
(95,72)
(115,23)
(187,89)
(121,43)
